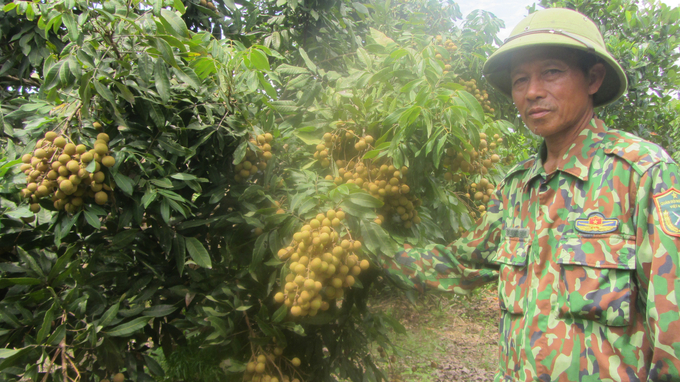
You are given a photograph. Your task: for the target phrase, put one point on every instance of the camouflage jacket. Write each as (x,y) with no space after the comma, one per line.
(586,260)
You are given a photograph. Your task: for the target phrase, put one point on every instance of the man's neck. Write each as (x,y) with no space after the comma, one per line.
(558,145)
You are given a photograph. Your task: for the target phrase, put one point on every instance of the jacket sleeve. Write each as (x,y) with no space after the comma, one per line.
(658,266)
(459,267)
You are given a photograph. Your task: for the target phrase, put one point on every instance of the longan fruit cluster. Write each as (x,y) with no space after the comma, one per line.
(341,145)
(480,94)
(208,4)
(381,180)
(482,159)
(255,161)
(480,193)
(450,46)
(266,367)
(62,169)
(321,264)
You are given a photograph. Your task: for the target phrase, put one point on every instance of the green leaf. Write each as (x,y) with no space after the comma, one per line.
(380,37)
(129,327)
(175,22)
(198,253)
(57,335)
(159,310)
(308,62)
(47,322)
(109,315)
(365,200)
(123,238)
(179,250)
(11,356)
(308,138)
(126,184)
(360,8)
(105,92)
(126,93)
(259,59)
(179,6)
(280,313)
(7,282)
(160,75)
(92,219)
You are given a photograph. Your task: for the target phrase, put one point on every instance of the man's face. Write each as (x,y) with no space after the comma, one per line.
(550,91)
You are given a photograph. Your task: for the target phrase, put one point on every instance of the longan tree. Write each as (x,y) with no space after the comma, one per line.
(199,190)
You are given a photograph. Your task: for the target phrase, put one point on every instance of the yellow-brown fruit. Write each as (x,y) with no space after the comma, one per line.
(279,297)
(26,158)
(98,177)
(35,208)
(64,158)
(101,149)
(364,264)
(479,195)
(50,135)
(101,197)
(296,311)
(73,166)
(260,367)
(40,153)
(103,137)
(70,149)
(86,157)
(67,187)
(118,377)
(108,161)
(60,141)
(296,361)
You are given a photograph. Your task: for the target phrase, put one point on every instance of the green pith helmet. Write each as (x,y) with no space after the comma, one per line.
(557,27)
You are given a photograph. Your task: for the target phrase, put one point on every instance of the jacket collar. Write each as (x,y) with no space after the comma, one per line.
(576,161)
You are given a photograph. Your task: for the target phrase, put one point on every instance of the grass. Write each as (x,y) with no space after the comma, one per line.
(451,338)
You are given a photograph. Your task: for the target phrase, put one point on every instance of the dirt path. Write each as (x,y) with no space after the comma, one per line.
(452,338)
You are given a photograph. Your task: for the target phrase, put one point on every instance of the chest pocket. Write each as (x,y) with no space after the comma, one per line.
(595,278)
(512,258)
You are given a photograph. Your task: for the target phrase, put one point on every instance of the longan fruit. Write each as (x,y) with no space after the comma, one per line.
(120,377)
(60,142)
(108,161)
(101,197)
(69,149)
(101,149)
(296,361)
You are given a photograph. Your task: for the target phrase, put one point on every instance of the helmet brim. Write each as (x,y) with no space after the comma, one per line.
(497,67)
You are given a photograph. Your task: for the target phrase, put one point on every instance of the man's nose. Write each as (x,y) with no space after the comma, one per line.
(535,88)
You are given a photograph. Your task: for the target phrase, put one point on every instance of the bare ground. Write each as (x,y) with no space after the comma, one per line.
(451,338)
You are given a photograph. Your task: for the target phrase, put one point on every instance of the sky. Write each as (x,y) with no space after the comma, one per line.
(511,11)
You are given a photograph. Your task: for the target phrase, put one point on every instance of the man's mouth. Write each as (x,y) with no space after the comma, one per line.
(538,112)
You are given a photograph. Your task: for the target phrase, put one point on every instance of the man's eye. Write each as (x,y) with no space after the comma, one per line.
(552,71)
(519,81)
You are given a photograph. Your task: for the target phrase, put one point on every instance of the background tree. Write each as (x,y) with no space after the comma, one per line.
(181,165)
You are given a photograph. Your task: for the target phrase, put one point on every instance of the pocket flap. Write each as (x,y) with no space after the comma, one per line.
(601,251)
(513,251)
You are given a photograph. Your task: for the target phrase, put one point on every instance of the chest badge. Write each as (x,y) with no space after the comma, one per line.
(668,207)
(596,223)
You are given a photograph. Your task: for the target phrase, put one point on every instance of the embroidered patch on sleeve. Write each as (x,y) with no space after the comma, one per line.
(596,223)
(668,207)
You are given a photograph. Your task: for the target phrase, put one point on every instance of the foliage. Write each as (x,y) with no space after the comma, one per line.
(643,37)
(184,253)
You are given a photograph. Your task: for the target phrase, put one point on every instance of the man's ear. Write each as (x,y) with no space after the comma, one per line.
(595,77)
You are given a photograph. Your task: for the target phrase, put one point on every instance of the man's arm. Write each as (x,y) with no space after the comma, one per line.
(459,267)
(658,267)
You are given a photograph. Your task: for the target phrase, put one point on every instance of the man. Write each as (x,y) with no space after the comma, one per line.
(583,237)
